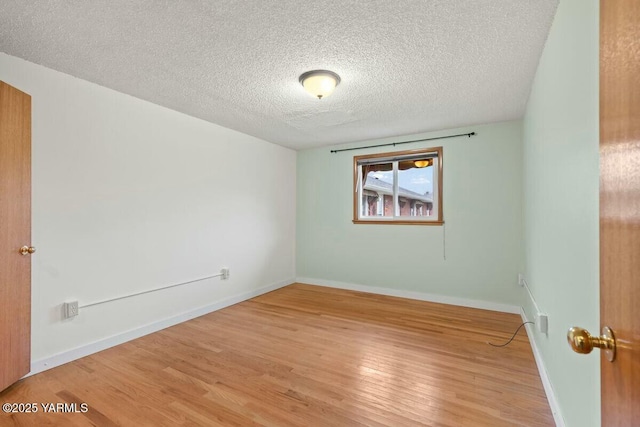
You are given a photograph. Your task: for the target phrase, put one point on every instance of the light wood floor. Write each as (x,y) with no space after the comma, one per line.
(304,356)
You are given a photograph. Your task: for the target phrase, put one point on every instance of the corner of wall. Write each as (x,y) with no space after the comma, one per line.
(560,206)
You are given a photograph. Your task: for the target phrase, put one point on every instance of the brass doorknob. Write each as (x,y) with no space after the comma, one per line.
(26,250)
(581,341)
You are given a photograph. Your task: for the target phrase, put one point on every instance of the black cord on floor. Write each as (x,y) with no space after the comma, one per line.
(514,335)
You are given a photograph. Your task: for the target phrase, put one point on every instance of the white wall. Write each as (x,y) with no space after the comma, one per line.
(561,204)
(129,196)
(482,182)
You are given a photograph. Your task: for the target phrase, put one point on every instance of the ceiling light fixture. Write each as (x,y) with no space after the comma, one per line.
(320,83)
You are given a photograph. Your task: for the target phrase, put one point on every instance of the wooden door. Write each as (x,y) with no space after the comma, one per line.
(620,207)
(15,232)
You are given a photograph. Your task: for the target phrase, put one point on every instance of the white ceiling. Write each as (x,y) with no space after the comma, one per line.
(406,66)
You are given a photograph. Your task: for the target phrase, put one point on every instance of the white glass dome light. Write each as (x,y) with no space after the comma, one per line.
(320,83)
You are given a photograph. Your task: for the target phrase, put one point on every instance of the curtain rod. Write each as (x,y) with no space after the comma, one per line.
(405,142)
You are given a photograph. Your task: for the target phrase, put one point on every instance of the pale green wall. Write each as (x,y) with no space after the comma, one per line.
(561,204)
(482,210)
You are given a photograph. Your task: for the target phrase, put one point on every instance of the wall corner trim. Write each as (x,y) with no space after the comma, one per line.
(46,363)
(546,381)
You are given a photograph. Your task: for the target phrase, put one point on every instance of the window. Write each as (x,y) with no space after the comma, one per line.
(399,188)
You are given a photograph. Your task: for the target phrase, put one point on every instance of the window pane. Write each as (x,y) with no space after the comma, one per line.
(400,187)
(377,192)
(415,188)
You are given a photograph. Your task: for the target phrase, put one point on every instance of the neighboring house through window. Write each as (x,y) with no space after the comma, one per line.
(399,188)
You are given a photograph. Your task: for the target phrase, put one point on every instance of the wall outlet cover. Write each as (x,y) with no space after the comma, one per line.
(70,309)
(542,323)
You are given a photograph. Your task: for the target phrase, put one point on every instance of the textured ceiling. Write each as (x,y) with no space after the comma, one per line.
(406,66)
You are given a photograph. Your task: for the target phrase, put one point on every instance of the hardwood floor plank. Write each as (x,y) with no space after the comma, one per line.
(305,356)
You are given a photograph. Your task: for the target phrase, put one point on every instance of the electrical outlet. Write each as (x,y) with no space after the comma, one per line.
(70,309)
(542,323)
(520,279)
(225,274)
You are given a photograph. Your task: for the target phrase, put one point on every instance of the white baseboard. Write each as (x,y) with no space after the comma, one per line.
(46,363)
(421,296)
(546,382)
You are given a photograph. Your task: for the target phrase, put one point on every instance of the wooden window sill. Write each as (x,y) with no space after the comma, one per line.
(362,221)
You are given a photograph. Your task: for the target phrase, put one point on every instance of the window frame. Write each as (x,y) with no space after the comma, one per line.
(391,157)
